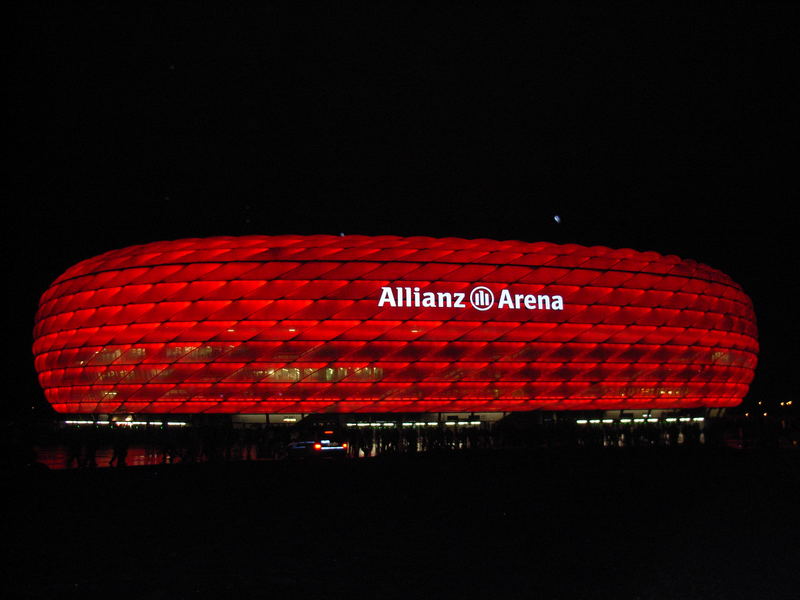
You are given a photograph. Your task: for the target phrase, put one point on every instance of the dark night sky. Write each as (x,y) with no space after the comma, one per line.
(641,125)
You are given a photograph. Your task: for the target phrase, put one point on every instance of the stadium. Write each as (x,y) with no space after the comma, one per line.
(277,328)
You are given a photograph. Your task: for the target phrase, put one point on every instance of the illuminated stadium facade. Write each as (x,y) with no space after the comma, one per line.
(357,324)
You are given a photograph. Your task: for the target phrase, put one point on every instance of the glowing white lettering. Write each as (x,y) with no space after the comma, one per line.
(480,299)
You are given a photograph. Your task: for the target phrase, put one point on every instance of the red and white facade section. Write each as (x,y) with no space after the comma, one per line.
(302,324)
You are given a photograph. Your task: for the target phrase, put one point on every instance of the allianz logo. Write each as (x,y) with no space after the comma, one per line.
(480,298)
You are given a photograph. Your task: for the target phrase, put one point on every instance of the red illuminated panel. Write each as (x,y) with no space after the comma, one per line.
(390,324)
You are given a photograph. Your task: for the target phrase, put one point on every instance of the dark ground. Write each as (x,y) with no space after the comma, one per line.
(638,523)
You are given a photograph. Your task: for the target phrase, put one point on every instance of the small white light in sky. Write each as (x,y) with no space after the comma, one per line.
(557,219)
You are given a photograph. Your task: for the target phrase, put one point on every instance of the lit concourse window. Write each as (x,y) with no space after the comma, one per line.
(301,324)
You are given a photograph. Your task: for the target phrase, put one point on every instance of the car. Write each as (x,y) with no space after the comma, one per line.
(317,449)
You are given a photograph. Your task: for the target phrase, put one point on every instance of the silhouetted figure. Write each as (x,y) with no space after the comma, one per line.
(168,444)
(365,444)
(249,441)
(413,439)
(120,448)
(74,448)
